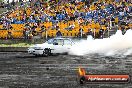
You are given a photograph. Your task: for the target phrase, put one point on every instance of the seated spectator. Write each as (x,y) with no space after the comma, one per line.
(40,11)
(43,28)
(9,35)
(72,26)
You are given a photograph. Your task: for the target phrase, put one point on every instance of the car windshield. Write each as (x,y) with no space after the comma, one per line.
(59,41)
(67,42)
(50,41)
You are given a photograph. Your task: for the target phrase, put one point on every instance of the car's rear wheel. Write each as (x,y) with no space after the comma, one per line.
(82,80)
(46,52)
(36,55)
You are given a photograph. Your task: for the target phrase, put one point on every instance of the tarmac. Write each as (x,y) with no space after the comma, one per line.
(21,70)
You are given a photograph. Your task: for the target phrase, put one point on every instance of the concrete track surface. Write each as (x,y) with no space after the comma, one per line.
(21,70)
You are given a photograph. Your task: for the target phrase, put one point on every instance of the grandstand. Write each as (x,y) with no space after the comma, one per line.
(45,18)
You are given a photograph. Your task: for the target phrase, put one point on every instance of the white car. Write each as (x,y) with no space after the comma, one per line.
(52,46)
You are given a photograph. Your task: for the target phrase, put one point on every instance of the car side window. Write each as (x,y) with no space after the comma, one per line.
(58,41)
(50,41)
(67,42)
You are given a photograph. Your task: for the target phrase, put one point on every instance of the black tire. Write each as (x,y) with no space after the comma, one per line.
(82,80)
(36,55)
(46,52)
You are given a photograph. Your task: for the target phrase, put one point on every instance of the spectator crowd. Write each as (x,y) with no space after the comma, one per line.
(81,17)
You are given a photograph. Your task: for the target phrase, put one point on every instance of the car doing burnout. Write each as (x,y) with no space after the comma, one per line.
(52,46)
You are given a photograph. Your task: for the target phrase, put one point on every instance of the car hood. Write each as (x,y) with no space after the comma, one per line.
(40,45)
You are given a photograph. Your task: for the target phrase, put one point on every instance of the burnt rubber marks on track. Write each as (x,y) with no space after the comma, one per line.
(21,70)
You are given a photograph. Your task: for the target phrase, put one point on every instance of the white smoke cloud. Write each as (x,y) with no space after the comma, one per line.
(14,1)
(117,44)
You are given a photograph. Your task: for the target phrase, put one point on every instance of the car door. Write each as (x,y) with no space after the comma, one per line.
(67,44)
(58,46)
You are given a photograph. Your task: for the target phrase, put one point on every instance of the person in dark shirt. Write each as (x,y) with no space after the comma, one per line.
(90,32)
(43,28)
(24,34)
(58,34)
(13,3)
(101,33)
(80,34)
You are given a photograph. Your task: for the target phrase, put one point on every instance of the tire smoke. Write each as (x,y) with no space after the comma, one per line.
(117,44)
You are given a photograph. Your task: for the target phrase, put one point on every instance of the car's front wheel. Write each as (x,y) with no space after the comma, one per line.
(46,52)
(36,55)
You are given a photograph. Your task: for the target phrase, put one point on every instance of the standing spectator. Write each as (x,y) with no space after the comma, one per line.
(58,34)
(13,3)
(101,33)
(27,33)
(90,32)
(80,34)
(24,33)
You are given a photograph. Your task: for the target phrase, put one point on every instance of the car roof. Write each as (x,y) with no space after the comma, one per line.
(61,38)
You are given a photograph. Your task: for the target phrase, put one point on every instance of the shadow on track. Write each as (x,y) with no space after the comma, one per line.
(27,56)
(34,56)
